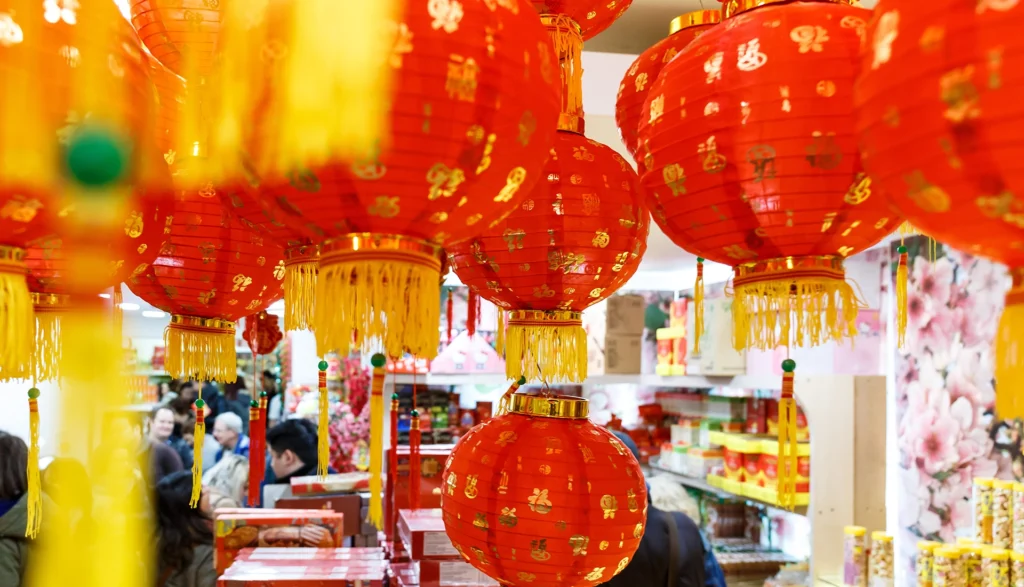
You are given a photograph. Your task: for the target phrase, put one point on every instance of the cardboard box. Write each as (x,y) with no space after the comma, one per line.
(348,505)
(404,574)
(452,573)
(308,554)
(234,532)
(718,356)
(396,497)
(423,535)
(622,354)
(624,315)
(338,483)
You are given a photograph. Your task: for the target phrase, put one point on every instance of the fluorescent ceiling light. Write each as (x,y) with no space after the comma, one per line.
(129,307)
(152,314)
(105,296)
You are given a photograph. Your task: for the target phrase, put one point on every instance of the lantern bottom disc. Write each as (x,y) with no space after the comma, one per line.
(46,351)
(301,265)
(201,348)
(15,315)
(379,289)
(1010,349)
(546,345)
(792,301)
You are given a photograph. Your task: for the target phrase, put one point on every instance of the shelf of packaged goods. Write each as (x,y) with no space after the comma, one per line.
(731,490)
(681,382)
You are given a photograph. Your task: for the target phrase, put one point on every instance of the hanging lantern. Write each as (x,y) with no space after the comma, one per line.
(751,160)
(645,69)
(541,496)
(454,163)
(576,238)
(940,82)
(177,31)
(591,16)
(211,271)
(262,334)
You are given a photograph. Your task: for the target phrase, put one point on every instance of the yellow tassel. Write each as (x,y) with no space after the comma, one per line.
(323,437)
(901,297)
(568,43)
(376,510)
(505,404)
(35,492)
(299,294)
(549,345)
(499,338)
(16,322)
(392,302)
(46,354)
(1009,347)
(787,457)
(118,314)
(698,306)
(201,349)
(793,311)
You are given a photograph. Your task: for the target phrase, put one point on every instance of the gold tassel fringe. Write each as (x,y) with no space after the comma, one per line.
(902,276)
(323,447)
(499,337)
(1009,347)
(394,302)
(35,491)
(698,306)
(376,510)
(299,295)
(201,349)
(549,349)
(568,43)
(46,355)
(793,311)
(787,457)
(198,436)
(16,321)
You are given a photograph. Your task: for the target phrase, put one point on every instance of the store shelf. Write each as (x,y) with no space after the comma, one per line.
(704,485)
(684,381)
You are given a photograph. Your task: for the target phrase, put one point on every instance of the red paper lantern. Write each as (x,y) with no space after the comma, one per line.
(262,333)
(591,16)
(576,238)
(472,117)
(543,497)
(939,120)
(211,272)
(645,69)
(177,31)
(751,160)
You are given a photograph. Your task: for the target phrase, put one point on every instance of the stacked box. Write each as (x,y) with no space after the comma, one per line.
(423,535)
(349,505)
(306,567)
(282,528)
(615,331)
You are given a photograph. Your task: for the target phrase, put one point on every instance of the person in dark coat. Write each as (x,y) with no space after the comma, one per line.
(672,551)
(14,546)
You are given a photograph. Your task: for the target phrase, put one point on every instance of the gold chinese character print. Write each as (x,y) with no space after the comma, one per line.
(514,238)
(657,108)
(927,196)
(809,38)
(886,33)
(609,505)
(401,43)
(640,82)
(133,225)
(462,78)
(749,56)
(859,191)
(713,162)
(539,501)
(515,178)
(567,263)
(539,549)
(20,208)
(10,31)
(713,67)
(508,518)
(443,181)
(960,94)
(596,575)
(446,14)
(675,178)
(579,544)
(824,152)
(384,207)
(240,282)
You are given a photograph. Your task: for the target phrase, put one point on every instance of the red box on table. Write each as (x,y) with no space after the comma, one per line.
(432,459)
(348,505)
(282,528)
(434,573)
(303,577)
(309,554)
(405,574)
(337,483)
(422,533)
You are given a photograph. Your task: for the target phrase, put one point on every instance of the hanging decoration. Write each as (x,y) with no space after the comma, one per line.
(262,334)
(377,361)
(939,81)
(648,65)
(591,16)
(577,237)
(454,164)
(34,493)
(751,160)
(211,271)
(541,496)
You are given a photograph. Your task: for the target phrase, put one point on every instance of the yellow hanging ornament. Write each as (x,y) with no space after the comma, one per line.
(901,297)
(698,306)
(788,447)
(376,439)
(35,493)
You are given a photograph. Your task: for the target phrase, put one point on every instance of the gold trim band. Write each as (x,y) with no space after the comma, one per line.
(368,246)
(301,254)
(563,407)
(182,322)
(824,266)
(572,123)
(50,302)
(695,18)
(559,21)
(545,318)
(733,7)
(12,260)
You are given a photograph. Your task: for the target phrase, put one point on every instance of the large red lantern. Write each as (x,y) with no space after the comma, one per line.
(472,117)
(751,160)
(939,120)
(542,497)
(211,271)
(645,69)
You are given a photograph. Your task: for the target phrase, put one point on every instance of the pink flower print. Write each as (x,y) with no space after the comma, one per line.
(960,386)
(918,311)
(935,442)
(933,280)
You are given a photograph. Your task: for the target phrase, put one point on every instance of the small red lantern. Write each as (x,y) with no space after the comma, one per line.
(645,69)
(542,497)
(211,272)
(751,160)
(262,332)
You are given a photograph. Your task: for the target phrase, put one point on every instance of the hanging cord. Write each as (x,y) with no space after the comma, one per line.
(450,314)
(698,306)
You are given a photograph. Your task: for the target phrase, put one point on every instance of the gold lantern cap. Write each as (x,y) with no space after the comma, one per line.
(695,18)
(734,7)
(547,406)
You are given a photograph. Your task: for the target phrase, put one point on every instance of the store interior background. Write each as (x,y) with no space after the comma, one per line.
(941,429)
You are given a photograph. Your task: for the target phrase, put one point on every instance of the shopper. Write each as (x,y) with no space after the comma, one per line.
(14,547)
(229,477)
(275,399)
(293,451)
(227,430)
(672,551)
(235,399)
(161,430)
(185,536)
(66,482)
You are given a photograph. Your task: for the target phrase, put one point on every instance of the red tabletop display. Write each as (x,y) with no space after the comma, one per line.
(641,74)
(939,119)
(750,154)
(541,496)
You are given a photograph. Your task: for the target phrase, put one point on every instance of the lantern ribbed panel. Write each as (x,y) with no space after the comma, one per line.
(171,30)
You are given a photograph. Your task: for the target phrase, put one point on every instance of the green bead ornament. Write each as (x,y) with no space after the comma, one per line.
(522,380)
(901,249)
(96,157)
(414,414)
(700,259)
(394,397)
(789,365)
(378,360)
(33,393)
(200,404)
(322,365)
(263,394)
(254,404)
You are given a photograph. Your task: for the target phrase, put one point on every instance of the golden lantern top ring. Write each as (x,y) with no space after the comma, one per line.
(49,302)
(301,254)
(370,246)
(734,7)
(565,407)
(821,266)
(182,322)
(696,18)
(12,260)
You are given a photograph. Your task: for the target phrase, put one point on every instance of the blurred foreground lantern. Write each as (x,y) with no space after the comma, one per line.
(471,124)
(645,70)
(541,496)
(751,160)
(939,119)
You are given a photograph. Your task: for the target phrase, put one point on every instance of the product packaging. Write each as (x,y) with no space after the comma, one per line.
(234,532)
(999,567)
(337,483)
(854,557)
(348,505)
(397,486)
(948,571)
(881,566)
(925,562)
(423,535)
(1018,517)
(983,510)
(434,573)
(971,559)
(1017,569)
(307,554)
(1002,513)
